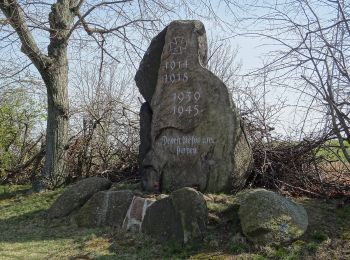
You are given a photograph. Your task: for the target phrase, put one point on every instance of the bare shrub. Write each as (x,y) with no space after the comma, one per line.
(105,126)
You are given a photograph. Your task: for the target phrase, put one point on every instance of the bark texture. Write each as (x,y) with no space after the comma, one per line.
(56,81)
(53,68)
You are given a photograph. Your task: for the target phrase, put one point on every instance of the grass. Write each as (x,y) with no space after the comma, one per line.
(332,151)
(26,233)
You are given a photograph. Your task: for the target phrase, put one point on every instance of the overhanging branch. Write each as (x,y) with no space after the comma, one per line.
(15,17)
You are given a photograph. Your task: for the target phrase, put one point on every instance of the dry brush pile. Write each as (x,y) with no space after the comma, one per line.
(299,168)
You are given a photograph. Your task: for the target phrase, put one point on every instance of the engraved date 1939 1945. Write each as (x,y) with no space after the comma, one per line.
(185,103)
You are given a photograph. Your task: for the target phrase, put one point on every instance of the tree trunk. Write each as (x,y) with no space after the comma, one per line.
(53,68)
(55,76)
(55,172)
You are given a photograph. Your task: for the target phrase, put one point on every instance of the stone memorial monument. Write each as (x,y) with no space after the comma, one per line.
(191,134)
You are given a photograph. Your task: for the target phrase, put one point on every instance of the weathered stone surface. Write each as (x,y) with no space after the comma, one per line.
(192,208)
(163,222)
(76,195)
(180,218)
(136,213)
(105,208)
(268,218)
(145,132)
(147,74)
(196,135)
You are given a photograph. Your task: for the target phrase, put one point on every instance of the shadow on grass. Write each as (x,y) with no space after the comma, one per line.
(32,234)
(327,221)
(23,219)
(36,226)
(8,192)
(33,228)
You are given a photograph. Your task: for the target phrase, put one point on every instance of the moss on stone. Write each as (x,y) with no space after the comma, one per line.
(267,217)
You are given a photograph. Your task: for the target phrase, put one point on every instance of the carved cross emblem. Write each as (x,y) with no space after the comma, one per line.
(177,45)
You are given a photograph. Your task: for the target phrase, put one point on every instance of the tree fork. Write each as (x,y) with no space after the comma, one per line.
(56,80)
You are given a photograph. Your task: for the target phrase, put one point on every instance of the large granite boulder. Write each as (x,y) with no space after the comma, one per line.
(178,218)
(191,133)
(105,208)
(268,218)
(76,195)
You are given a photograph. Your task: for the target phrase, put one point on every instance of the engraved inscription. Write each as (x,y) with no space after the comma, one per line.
(173,72)
(185,99)
(186,102)
(177,45)
(186,145)
(183,105)
(176,65)
(175,77)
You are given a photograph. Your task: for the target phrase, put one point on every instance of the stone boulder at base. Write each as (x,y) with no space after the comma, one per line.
(180,217)
(268,218)
(76,195)
(105,208)
(136,213)
(191,133)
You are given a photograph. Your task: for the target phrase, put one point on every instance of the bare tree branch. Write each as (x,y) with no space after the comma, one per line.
(15,16)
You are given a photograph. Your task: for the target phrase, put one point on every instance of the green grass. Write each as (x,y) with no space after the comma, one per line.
(332,151)
(26,233)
